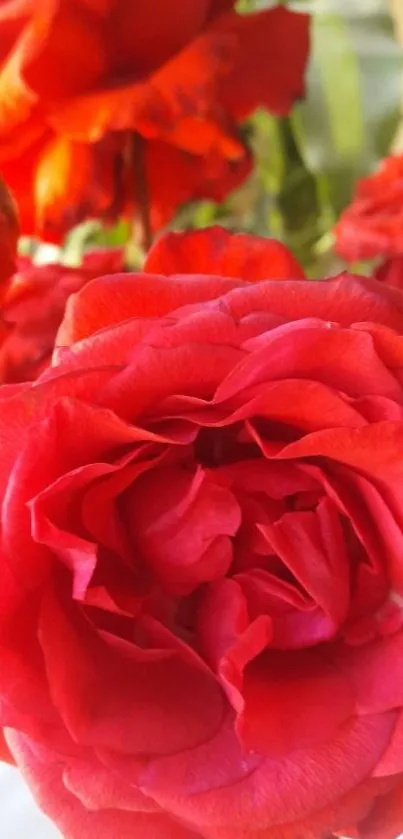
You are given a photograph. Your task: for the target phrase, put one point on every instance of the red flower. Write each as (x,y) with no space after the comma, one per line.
(214,249)
(373,224)
(106,105)
(33,308)
(201,624)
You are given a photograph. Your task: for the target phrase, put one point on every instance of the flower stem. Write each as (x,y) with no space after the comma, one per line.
(141,192)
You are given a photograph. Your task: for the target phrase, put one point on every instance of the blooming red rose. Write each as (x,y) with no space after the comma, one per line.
(33,307)
(372,225)
(201,625)
(99,98)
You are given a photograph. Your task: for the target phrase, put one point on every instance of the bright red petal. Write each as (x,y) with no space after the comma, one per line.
(111,300)
(61,34)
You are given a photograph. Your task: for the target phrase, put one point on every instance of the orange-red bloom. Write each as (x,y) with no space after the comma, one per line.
(108,104)
(33,307)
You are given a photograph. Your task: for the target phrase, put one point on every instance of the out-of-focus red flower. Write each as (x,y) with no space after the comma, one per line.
(108,104)
(33,307)
(214,250)
(372,225)
(201,557)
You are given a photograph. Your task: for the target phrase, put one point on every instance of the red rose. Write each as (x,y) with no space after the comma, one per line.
(33,308)
(373,223)
(201,624)
(98,98)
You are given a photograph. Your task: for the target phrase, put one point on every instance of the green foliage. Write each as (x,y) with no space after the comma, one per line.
(307,165)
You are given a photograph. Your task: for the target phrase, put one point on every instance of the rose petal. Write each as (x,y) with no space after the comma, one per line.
(115,701)
(221,785)
(386,819)
(45,779)
(348,298)
(114,299)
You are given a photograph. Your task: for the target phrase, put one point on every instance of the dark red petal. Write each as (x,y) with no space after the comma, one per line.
(270,63)
(184,86)
(9,232)
(391,272)
(145,36)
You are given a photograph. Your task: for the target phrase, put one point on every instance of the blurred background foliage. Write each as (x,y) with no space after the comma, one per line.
(307,164)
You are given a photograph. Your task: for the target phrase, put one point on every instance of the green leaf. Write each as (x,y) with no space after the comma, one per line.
(351,112)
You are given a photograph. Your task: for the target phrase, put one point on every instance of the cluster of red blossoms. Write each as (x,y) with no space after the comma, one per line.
(201,464)
(109,104)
